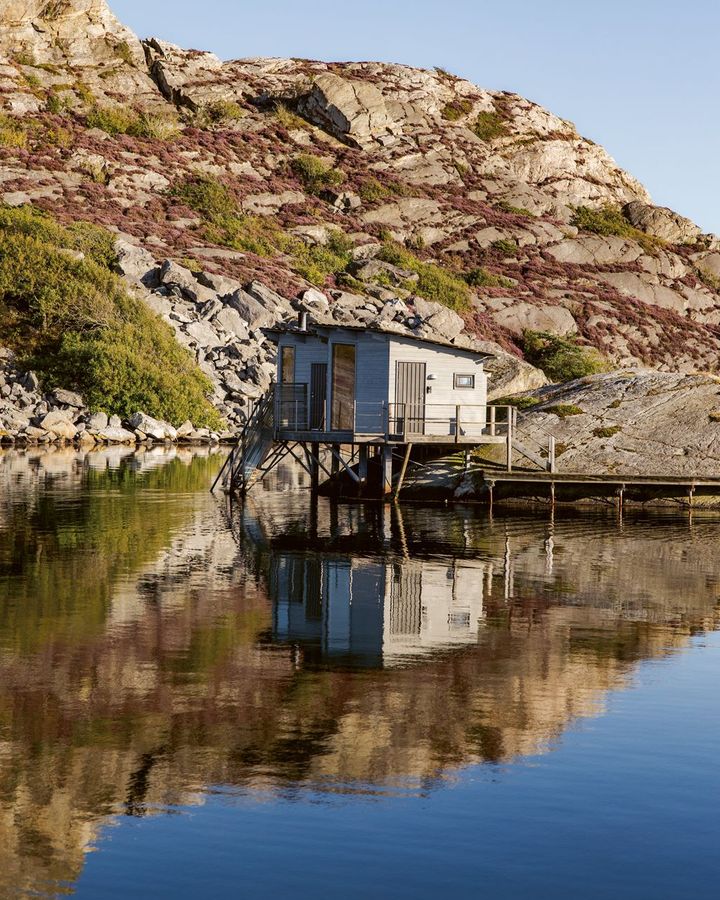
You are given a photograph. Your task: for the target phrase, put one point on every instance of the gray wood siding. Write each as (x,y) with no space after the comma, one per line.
(440,403)
(377,356)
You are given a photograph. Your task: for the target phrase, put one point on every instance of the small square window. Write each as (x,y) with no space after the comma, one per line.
(465,382)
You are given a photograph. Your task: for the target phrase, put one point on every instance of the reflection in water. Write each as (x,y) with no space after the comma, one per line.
(153,643)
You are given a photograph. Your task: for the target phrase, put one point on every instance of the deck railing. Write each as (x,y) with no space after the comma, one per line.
(398,421)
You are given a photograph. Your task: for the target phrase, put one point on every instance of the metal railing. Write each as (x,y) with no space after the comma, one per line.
(293,413)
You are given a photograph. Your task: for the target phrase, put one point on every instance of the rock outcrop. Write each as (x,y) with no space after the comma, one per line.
(540,225)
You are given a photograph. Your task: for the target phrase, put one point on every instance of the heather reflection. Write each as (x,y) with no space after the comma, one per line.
(154,643)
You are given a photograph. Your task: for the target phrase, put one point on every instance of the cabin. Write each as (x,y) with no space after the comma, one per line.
(347,398)
(354,383)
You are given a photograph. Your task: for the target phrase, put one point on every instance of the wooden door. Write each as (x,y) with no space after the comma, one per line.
(343,387)
(410,397)
(318,395)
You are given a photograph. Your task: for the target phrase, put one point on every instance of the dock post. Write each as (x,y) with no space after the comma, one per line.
(387,469)
(363,463)
(314,470)
(552,496)
(334,461)
(510,423)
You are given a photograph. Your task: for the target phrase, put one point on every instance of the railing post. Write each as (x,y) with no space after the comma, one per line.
(551,452)
(510,419)
(493,416)
(457,424)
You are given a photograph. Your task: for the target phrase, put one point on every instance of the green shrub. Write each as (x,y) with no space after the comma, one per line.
(123,51)
(456,109)
(564,410)
(561,358)
(111,119)
(315,173)
(12,134)
(116,120)
(289,119)
(434,282)
(482,278)
(71,320)
(515,210)
(220,111)
(315,262)
(517,402)
(609,220)
(607,431)
(490,125)
(506,247)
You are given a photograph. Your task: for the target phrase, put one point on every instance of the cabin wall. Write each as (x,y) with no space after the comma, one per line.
(441,402)
(371,380)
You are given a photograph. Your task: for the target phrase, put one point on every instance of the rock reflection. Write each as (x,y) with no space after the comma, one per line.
(153,644)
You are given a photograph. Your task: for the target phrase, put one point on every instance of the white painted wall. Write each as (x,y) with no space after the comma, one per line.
(444,397)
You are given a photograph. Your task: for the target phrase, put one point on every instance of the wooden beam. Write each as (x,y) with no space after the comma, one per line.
(386,467)
(403,470)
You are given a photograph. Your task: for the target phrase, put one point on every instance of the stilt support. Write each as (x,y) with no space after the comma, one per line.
(403,470)
(363,463)
(386,469)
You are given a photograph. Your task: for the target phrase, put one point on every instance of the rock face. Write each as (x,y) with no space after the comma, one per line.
(482,186)
(633,422)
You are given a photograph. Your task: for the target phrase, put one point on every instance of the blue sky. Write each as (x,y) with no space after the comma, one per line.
(640,77)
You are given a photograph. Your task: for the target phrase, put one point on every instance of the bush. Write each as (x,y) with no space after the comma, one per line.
(434,282)
(12,134)
(515,210)
(315,262)
(564,410)
(482,278)
(607,431)
(315,173)
(220,111)
(517,402)
(456,109)
(609,220)
(506,247)
(289,119)
(490,125)
(561,358)
(70,319)
(115,120)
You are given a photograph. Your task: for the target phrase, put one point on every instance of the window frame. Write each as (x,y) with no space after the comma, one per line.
(463,387)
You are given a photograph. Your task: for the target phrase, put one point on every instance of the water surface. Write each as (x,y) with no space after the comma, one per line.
(198,700)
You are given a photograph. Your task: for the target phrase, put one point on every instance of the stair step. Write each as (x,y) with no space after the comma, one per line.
(540,461)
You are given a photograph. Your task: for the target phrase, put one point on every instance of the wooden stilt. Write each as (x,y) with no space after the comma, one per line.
(363,463)
(387,469)
(403,470)
(335,462)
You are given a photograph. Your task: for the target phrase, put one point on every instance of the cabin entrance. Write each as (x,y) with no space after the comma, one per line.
(343,387)
(410,383)
(318,395)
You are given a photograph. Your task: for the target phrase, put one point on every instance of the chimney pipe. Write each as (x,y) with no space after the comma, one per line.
(302,320)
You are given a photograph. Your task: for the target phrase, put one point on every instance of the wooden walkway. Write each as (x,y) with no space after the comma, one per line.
(569,486)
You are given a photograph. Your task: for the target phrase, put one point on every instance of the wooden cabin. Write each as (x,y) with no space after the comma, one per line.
(355,392)
(357,383)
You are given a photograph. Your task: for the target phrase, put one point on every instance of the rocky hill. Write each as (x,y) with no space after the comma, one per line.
(237,192)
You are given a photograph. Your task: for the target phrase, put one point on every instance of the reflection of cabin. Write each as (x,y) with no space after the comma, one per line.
(375,612)
(353,383)
(350,393)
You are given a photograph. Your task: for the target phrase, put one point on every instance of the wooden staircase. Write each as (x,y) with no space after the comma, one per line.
(255,452)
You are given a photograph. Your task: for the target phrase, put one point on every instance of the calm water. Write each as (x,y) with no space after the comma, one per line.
(346,701)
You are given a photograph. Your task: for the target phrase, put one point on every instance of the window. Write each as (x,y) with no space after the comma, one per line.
(287,365)
(343,387)
(465,382)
